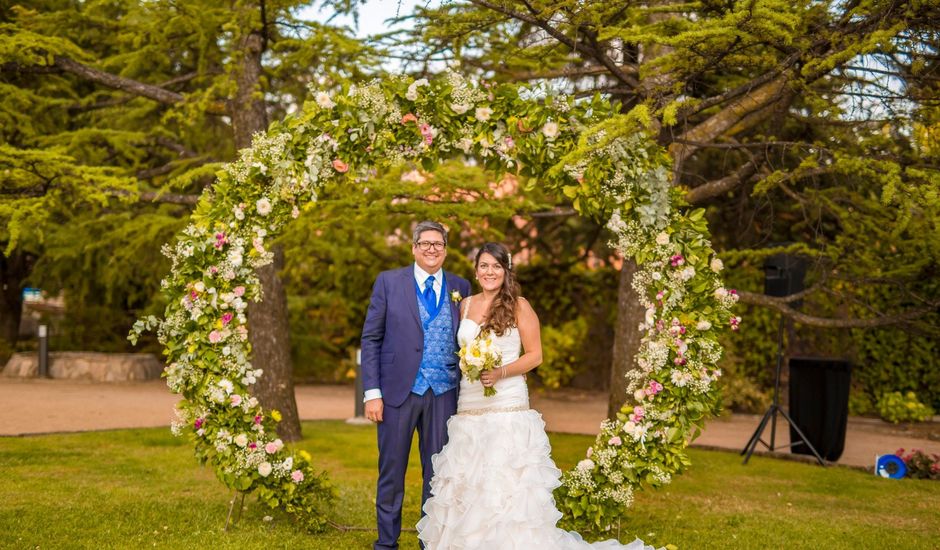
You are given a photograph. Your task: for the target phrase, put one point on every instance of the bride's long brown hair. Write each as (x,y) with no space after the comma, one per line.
(502,314)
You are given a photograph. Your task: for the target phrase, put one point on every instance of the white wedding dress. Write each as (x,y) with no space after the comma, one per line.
(493,480)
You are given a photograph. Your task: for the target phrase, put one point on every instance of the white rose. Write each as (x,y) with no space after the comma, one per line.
(239,213)
(703,325)
(720,293)
(199,286)
(235,259)
(323,100)
(650,315)
(421,82)
(483,113)
(639,395)
(586,464)
(716,265)
(629,427)
(241,440)
(687,273)
(662,239)
(459,108)
(264,469)
(264,206)
(412,93)
(550,130)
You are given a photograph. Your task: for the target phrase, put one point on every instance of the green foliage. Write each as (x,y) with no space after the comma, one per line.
(83,140)
(897,407)
(860,403)
(562,294)
(560,352)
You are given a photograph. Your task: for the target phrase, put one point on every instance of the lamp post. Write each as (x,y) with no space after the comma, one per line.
(43,334)
(359,406)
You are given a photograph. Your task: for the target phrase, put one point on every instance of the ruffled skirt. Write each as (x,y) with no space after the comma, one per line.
(493,483)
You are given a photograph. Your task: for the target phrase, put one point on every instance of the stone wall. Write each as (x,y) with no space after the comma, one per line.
(80,365)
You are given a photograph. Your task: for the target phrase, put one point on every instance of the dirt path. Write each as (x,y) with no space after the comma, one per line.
(45,406)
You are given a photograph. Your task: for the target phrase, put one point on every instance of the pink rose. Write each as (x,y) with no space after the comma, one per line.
(409,118)
(297,476)
(340,166)
(615,440)
(258,419)
(270,448)
(215,337)
(199,422)
(227,318)
(236,400)
(252,446)
(239,291)
(427,132)
(219,240)
(677,260)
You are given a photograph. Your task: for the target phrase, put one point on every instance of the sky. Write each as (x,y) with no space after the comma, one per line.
(373,15)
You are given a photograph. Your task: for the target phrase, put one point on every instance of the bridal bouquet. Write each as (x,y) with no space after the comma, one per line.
(478,356)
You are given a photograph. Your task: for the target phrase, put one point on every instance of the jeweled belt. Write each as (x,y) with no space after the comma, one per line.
(477,412)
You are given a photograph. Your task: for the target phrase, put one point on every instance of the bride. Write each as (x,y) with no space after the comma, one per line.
(493,480)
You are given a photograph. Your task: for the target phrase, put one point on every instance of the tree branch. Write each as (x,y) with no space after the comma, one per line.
(725,119)
(128,85)
(575,45)
(158,196)
(780,305)
(720,186)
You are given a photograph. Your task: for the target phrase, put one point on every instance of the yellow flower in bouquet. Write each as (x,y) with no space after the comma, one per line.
(478,356)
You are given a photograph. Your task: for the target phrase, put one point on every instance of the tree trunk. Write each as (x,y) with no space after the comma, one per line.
(13,272)
(630,313)
(267,321)
(270,342)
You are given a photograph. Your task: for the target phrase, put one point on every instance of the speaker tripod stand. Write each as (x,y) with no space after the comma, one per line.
(772,412)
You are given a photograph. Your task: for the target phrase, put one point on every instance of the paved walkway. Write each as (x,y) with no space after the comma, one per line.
(33,406)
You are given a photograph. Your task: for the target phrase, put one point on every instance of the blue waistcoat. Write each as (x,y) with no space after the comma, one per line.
(438,370)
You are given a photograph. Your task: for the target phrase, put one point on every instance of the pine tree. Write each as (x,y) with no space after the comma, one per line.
(806,122)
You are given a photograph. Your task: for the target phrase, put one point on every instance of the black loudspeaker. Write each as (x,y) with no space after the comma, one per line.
(819,404)
(784,274)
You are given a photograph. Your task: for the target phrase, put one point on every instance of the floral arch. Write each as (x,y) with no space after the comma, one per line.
(600,159)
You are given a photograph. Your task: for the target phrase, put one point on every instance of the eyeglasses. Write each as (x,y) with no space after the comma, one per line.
(428,245)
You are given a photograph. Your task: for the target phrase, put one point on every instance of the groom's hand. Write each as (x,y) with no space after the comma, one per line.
(374,408)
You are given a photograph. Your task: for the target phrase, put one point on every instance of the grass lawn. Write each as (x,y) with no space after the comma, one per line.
(143,489)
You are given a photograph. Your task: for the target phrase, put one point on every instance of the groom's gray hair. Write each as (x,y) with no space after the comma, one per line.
(428,226)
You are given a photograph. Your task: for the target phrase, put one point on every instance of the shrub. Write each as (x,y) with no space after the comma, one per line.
(897,407)
(560,347)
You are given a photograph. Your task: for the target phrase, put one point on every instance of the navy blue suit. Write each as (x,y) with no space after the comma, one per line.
(392,349)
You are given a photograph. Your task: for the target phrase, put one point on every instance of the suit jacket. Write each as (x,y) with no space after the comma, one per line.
(392,336)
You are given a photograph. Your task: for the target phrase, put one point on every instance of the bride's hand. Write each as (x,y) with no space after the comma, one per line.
(489,377)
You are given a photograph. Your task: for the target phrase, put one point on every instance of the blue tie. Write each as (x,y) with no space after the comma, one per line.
(430,301)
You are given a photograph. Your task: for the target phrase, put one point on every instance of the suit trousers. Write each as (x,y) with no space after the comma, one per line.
(428,414)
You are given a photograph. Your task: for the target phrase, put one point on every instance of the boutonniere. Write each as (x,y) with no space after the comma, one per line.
(455,296)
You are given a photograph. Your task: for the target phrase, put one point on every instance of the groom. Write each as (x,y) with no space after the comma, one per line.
(409,368)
